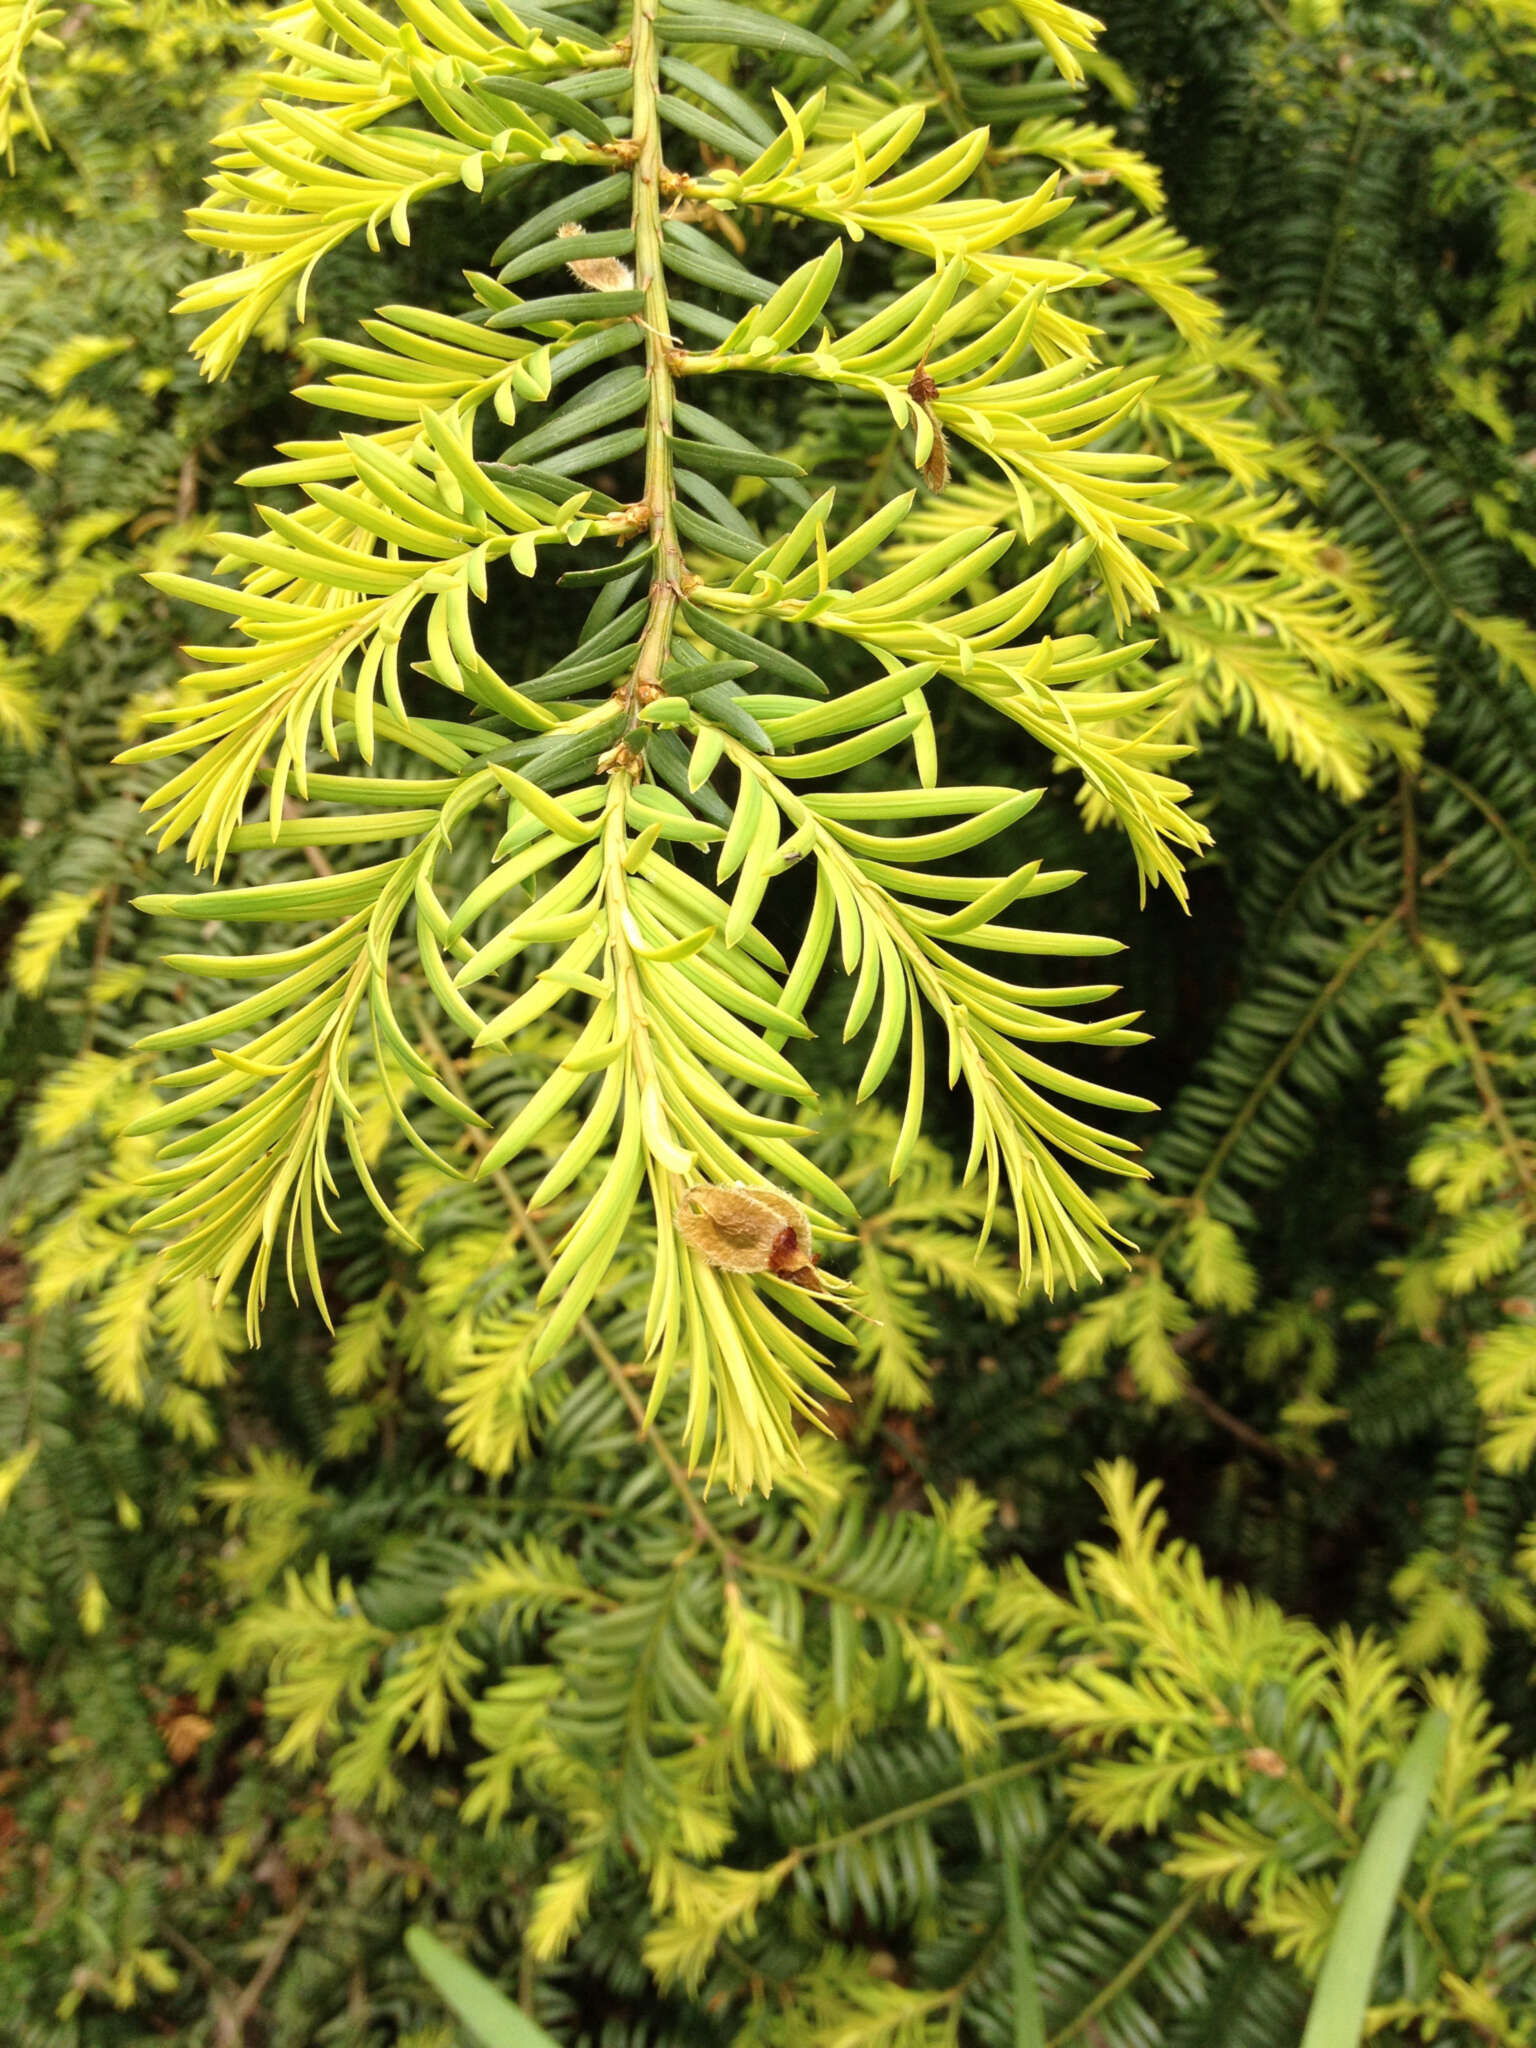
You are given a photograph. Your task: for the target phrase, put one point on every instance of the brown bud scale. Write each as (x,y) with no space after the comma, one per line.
(741,1229)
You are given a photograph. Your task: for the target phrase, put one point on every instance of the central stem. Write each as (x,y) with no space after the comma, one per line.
(655,645)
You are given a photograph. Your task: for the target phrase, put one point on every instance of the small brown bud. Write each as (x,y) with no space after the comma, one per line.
(742,1229)
(598,273)
(922,390)
(185,1735)
(936,469)
(1267,1762)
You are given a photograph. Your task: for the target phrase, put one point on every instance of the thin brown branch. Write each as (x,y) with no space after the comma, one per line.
(98,960)
(1406,792)
(232,2020)
(529,1231)
(186,488)
(221,1986)
(1516,1150)
(1244,1432)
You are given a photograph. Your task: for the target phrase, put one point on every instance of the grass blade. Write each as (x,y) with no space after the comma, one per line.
(1349,1968)
(486,2014)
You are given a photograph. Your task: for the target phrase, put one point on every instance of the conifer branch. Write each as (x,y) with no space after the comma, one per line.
(1129,1971)
(1518,850)
(1365,945)
(1516,1151)
(967,1790)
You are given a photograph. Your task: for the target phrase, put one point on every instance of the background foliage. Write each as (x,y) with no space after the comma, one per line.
(309,1641)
